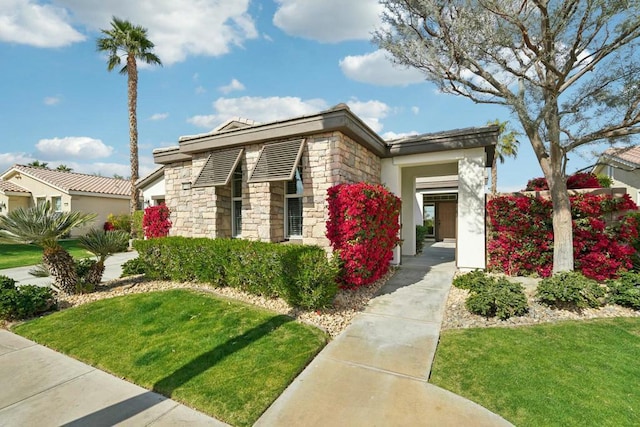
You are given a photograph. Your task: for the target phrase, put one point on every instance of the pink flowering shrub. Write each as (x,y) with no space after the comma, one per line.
(363,230)
(156,222)
(521,235)
(574,182)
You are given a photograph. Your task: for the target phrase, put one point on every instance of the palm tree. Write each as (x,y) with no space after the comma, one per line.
(64,168)
(42,226)
(39,164)
(129,41)
(507,147)
(102,244)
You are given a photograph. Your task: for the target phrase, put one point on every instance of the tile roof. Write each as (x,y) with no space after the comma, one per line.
(10,186)
(627,154)
(71,181)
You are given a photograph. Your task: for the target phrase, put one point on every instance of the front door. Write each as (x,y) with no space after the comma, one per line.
(446,213)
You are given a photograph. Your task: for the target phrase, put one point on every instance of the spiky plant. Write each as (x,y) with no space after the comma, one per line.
(102,244)
(42,226)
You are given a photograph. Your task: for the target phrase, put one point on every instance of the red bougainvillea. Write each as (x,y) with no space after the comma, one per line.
(574,182)
(521,235)
(363,230)
(156,222)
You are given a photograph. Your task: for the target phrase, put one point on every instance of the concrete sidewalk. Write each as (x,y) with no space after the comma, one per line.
(39,387)
(112,270)
(375,373)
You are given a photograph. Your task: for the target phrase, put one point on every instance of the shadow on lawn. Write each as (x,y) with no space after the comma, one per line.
(200,364)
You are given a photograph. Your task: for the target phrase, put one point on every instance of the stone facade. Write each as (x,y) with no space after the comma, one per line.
(327,159)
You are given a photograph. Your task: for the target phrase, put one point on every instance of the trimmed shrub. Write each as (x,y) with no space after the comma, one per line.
(133,267)
(570,290)
(300,274)
(24,301)
(625,290)
(491,297)
(473,280)
(118,222)
(421,234)
(363,230)
(574,182)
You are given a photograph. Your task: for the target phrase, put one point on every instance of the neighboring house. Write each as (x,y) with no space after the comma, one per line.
(27,186)
(269,181)
(152,188)
(622,165)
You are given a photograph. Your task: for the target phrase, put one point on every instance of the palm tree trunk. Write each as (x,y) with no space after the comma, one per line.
(494,175)
(61,267)
(133,128)
(94,277)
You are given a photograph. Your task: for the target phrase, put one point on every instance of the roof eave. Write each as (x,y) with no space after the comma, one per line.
(342,120)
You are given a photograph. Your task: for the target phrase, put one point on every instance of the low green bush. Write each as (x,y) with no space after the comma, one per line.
(473,280)
(300,274)
(421,234)
(496,297)
(22,302)
(570,290)
(132,267)
(137,232)
(625,290)
(84,267)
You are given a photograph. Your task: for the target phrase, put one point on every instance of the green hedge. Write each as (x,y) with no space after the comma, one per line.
(300,274)
(22,302)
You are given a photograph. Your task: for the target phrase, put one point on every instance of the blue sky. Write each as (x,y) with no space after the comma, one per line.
(261,60)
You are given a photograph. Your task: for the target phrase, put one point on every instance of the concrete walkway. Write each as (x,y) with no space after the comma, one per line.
(375,373)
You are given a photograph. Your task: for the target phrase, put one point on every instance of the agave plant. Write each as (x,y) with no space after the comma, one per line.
(102,244)
(42,226)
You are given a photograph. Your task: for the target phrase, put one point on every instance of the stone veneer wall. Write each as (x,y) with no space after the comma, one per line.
(328,159)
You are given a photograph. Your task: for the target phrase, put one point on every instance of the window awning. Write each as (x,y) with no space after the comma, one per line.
(219,168)
(277,161)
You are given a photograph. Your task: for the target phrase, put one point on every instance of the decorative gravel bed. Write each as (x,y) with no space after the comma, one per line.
(333,320)
(456,316)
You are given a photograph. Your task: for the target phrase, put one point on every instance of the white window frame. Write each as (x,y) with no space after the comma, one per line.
(53,204)
(234,231)
(297,176)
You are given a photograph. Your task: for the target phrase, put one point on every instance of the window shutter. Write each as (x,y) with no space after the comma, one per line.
(277,161)
(219,168)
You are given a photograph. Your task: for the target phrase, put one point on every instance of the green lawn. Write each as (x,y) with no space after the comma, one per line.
(225,358)
(565,374)
(19,255)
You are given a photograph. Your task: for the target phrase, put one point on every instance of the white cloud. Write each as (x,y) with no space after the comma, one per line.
(159,116)
(376,68)
(9,159)
(33,24)
(73,146)
(178,28)
(200,90)
(328,21)
(232,86)
(51,100)
(415,110)
(258,109)
(371,112)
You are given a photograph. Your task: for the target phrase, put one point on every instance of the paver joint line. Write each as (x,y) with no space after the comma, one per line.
(372,368)
(389,316)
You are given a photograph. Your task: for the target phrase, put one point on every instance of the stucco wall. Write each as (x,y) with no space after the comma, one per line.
(154,189)
(628,179)
(102,206)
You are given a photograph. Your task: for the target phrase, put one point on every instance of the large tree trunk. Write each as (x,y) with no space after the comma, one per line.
(133,129)
(61,267)
(562,227)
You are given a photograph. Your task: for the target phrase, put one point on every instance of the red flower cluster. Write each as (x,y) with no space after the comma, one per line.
(574,182)
(108,226)
(521,236)
(363,230)
(156,222)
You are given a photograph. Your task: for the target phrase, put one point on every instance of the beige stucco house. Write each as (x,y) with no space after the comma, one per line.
(26,186)
(269,181)
(622,165)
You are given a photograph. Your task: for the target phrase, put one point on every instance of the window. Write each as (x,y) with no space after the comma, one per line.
(293,205)
(236,202)
(41,201)
(56,204)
